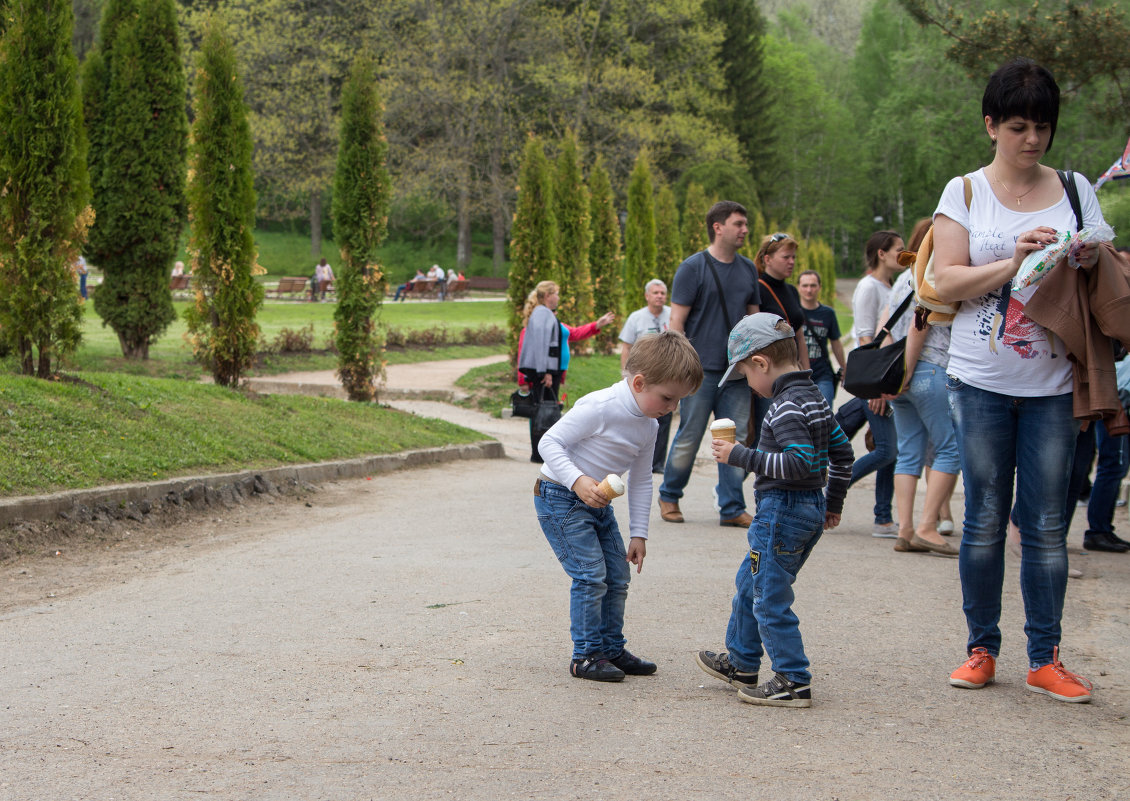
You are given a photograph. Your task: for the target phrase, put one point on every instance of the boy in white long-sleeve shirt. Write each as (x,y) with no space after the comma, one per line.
(607,432)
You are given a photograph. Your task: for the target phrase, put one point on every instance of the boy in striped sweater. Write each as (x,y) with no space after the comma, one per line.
(801,450)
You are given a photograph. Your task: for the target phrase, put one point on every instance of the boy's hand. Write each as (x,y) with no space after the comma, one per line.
(585,487)
(721,450)
(831,519)
(637,550)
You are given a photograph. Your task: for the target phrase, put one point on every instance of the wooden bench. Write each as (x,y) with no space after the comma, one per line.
(422,289)
(488,282)
(179,282)
(289,287)
(457,289)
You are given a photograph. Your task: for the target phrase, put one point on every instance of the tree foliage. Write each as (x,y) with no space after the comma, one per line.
(43,208)
(668,243)
(574,235)
(360,210)
(640,247)
(533,249)
(221,198)
(138,174)
(605,254)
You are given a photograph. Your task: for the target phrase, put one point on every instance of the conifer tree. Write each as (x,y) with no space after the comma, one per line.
(360,212)
(574,235)
(533,244)
(605,256)
(639,232)
(138,175)
(695,208)
(221,201)
(43,207)
(669,249)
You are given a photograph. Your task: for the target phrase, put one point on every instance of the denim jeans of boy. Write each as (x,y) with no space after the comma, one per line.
(922,416)
(783,533)
(1033,440)
(588,544)
(881,462)
(1114,459)
(731,400)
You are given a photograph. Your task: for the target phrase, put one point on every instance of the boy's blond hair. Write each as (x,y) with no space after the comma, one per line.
(666,358)
(783,352)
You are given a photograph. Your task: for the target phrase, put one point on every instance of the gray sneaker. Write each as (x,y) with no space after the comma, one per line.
(778,691)
(718,666)
(887,531)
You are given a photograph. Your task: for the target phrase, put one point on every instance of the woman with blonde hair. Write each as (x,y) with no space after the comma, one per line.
(543,346)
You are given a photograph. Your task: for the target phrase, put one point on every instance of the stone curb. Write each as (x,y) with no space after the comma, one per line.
(48,507)
(266,386)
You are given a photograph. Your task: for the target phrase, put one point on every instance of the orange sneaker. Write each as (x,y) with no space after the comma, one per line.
(978,670)
(1059,682)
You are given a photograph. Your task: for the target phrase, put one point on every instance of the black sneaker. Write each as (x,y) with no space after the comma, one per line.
(718,666)
(595,668)
(632,664)
(778,691)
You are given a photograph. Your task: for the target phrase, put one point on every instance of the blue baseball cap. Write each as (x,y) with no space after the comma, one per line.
(752,334)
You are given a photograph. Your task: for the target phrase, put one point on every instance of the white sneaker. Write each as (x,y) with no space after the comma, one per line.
(886,531)
(945,527)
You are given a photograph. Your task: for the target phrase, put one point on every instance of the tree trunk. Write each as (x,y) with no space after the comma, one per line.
(131,350)
(498,218)
(463,245)
(316,225)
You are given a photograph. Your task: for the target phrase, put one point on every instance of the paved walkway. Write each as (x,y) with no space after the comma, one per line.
(407,638)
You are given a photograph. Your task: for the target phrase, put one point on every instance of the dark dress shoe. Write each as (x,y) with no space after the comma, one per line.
(1104,541)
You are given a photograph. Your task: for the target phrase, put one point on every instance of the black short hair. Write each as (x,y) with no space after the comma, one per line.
(1022,88)
(720,212)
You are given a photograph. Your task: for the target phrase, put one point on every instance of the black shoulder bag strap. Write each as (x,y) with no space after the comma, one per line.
(721,296)
(886,329)
(1068,181)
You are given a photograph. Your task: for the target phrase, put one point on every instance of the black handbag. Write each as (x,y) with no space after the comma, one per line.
(523,405)
(546,412)
(873,370)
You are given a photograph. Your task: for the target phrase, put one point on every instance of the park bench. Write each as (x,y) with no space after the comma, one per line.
(422,289)
(488,282)
(290,287)
(457,289)
(179,282)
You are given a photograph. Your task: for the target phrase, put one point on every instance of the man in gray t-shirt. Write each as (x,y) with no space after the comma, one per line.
(651,319)
(712,291)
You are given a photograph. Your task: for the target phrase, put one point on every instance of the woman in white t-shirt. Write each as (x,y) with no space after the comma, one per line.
(1010,381)
(867,305)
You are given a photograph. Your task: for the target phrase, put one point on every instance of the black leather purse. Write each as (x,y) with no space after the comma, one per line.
(873,370)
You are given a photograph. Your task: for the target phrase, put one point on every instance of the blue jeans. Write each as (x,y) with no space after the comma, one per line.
(923,416)
(1114,459)
(588,544)
(783,533)
(733,401)
(880,461)
(1032,439)
(827,387)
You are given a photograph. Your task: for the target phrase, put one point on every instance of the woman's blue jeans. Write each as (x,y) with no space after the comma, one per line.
(783,533)
(1114,459)
(881,462)
(1031,440)
(589,546)
(923,416)
(731,400)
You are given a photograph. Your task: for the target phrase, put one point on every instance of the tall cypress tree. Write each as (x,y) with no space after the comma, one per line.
(221,200)
(695,208)
(140,178)
(43,211)
(669,248)
(574,234)
(639,232)
(605,256)
(360,212)
(533,244)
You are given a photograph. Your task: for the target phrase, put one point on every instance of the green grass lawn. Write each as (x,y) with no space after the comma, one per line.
(112,428)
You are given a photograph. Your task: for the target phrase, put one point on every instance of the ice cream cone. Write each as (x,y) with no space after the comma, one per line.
(611,487)
(724,429)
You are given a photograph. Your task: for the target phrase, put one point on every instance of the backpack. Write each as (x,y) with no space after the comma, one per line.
(931,309)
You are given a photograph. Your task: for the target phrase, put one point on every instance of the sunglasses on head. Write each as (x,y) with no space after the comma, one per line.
(777,238)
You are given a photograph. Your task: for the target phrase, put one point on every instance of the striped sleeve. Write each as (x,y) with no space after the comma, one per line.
(840,459)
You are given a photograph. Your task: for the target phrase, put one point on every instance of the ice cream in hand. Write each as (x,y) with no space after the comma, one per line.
(723,429)
(611,487)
